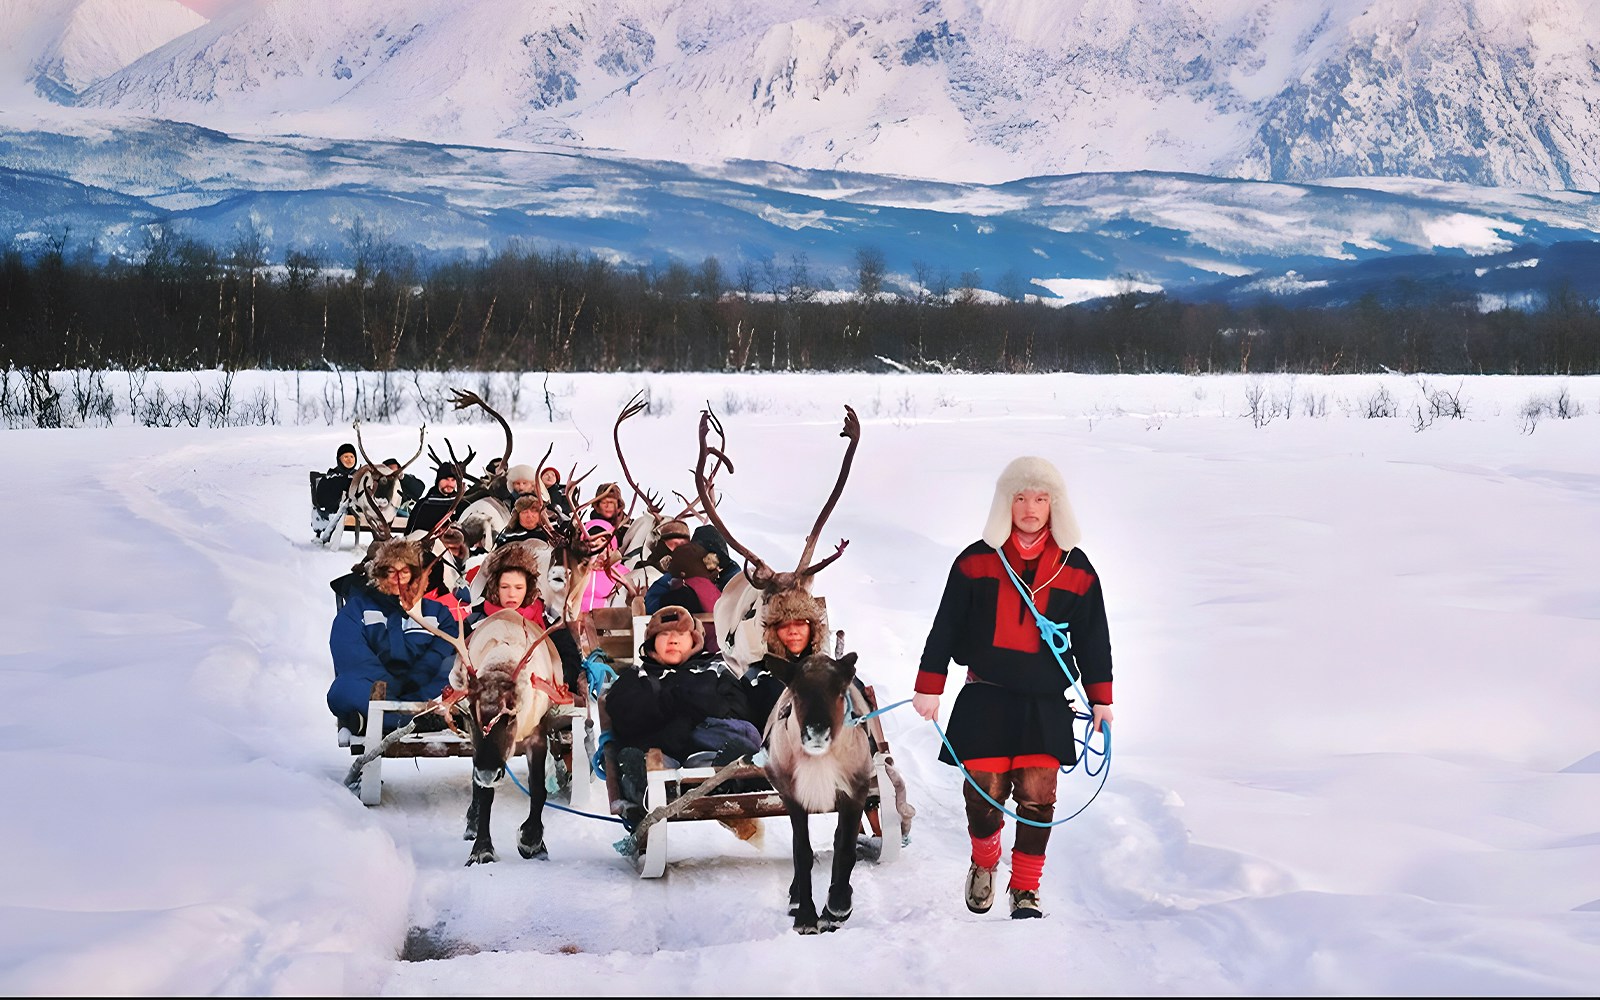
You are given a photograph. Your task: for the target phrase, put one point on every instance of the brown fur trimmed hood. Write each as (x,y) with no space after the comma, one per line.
(516,555)
(392,553)
(790,606)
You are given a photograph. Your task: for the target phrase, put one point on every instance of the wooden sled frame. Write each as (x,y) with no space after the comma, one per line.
(563,743)
(620,634)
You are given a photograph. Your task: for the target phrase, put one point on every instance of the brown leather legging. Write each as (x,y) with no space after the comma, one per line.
(1033,788)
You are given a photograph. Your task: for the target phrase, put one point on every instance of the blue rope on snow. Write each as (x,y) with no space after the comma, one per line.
(556,805)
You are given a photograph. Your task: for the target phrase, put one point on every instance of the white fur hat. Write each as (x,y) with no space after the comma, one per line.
(1032,473)
(522,472)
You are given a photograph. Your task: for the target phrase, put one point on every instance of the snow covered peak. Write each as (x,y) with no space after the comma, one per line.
(58,49)
(1482,91)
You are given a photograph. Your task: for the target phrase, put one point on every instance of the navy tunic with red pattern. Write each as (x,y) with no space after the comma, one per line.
(1016,700)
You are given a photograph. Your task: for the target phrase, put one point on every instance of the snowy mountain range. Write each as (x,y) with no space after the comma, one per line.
(1069,149)
(1487,92)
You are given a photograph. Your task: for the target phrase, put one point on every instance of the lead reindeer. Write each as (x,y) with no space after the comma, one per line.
(816,759)
(511,678)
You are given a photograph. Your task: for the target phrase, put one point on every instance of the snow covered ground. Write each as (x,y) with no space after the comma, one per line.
(1356,745)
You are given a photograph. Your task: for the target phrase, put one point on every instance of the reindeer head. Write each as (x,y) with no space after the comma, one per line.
(493,670)
(819,692)
(373,484)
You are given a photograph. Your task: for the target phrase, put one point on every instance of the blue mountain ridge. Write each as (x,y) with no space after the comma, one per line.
(1192,236)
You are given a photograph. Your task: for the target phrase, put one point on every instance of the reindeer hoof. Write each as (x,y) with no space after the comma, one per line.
(831,920)
(533,851)
(803,928)
(481,856)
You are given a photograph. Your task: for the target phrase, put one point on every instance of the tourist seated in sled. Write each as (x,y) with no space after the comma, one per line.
(604,586)
(608,506)
(796,626)
(709,538)
(511,583)
(328,494)
(669,535)
(437,503)
(523,481)
(689,579)
(373,639)
(678,698)
(527,523)
(554,492)
(448,582)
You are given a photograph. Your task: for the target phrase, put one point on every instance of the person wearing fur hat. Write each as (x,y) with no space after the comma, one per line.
(1011,726)
(373,639)
(510,582)
(691,575)
(669,535)
(527,523)
(796,626)
(608,506)
(679,697)
(447,577)
(523,481)
(437,503)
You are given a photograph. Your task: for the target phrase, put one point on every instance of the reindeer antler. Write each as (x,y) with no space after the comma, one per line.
(636,405)
(758,572)
(461,399)
(852,430)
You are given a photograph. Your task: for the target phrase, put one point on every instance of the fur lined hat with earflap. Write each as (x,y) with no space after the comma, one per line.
(392,553)
(794,606)
(672,618)
(659,553)
(515,556)
(522,473)
(689,560)
(1032,473)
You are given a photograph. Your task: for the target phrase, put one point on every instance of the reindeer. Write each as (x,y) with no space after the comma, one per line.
(818,761)
(737,615)
(511,678)
(370,497)
(484,500)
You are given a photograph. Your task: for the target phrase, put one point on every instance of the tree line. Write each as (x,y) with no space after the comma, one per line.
(187,305)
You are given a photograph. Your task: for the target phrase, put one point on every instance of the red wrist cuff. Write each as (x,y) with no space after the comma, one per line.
(929,683)
(1099,692)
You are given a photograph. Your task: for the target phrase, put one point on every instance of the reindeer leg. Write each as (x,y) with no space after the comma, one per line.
(483,843)
(472,817)
(801,906)
(531,843)
(844,860)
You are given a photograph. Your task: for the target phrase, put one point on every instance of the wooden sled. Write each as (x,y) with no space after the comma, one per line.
(620,634)
(345,522)
(449,744)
